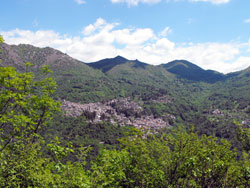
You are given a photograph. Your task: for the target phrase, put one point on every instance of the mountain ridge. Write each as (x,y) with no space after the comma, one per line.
(193,100)
(180,68)
(190,71)
(108,63)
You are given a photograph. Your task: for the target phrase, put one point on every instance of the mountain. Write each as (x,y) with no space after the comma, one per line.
(76,80)
(17,55)
(107,64)
(118,77)
(245,72)
(185,69)
(136,78)
(207,99)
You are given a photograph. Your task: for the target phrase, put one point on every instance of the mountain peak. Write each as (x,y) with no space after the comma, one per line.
(106,64)
(190,71)
(17,55)
(119,58)
(181,63)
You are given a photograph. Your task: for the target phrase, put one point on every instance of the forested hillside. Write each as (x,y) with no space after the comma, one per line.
(120,123)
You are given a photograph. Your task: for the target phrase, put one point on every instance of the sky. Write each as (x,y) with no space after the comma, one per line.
(213,34)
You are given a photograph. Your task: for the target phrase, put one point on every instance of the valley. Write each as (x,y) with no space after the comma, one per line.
(125,108)
(125,94)
(177,89)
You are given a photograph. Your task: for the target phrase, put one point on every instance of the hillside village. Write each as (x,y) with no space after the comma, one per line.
(117,111)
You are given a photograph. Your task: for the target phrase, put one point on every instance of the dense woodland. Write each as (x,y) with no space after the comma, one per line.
(206,144)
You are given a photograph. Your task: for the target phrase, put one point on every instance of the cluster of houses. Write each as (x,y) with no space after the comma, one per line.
(125,103)
(77,109)
(150,122)
(114,111)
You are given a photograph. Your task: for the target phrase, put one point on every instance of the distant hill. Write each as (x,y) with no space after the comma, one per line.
(194,92)
(76,80)
(17,55)
(190,71)
(135,77)
(245,72)
(107,64)
(120,77)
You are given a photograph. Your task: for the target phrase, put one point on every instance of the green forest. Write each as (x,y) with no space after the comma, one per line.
(41,147)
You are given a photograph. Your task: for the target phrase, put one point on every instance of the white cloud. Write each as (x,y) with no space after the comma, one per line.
(212,1)
(133,37)
(240,64)
(39,38)
(165,31)
(103,40)
(135,2)
(92,27)
(247,20)
(80,2)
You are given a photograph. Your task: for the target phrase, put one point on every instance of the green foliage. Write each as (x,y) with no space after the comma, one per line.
(109,169)
(189,71)
(244,136)
(99,136)
(1,39)
(26,166)
(179,159)
(59,152)
(25,105)
(118,77)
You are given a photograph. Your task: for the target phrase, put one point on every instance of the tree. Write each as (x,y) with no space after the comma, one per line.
(243,134)
(26,105)
(179,159)
(1,39)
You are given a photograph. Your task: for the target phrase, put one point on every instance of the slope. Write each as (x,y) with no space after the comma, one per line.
(190,71)
(76,81)
(106,64)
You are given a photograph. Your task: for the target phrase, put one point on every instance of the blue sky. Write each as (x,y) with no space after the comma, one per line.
(214,34)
